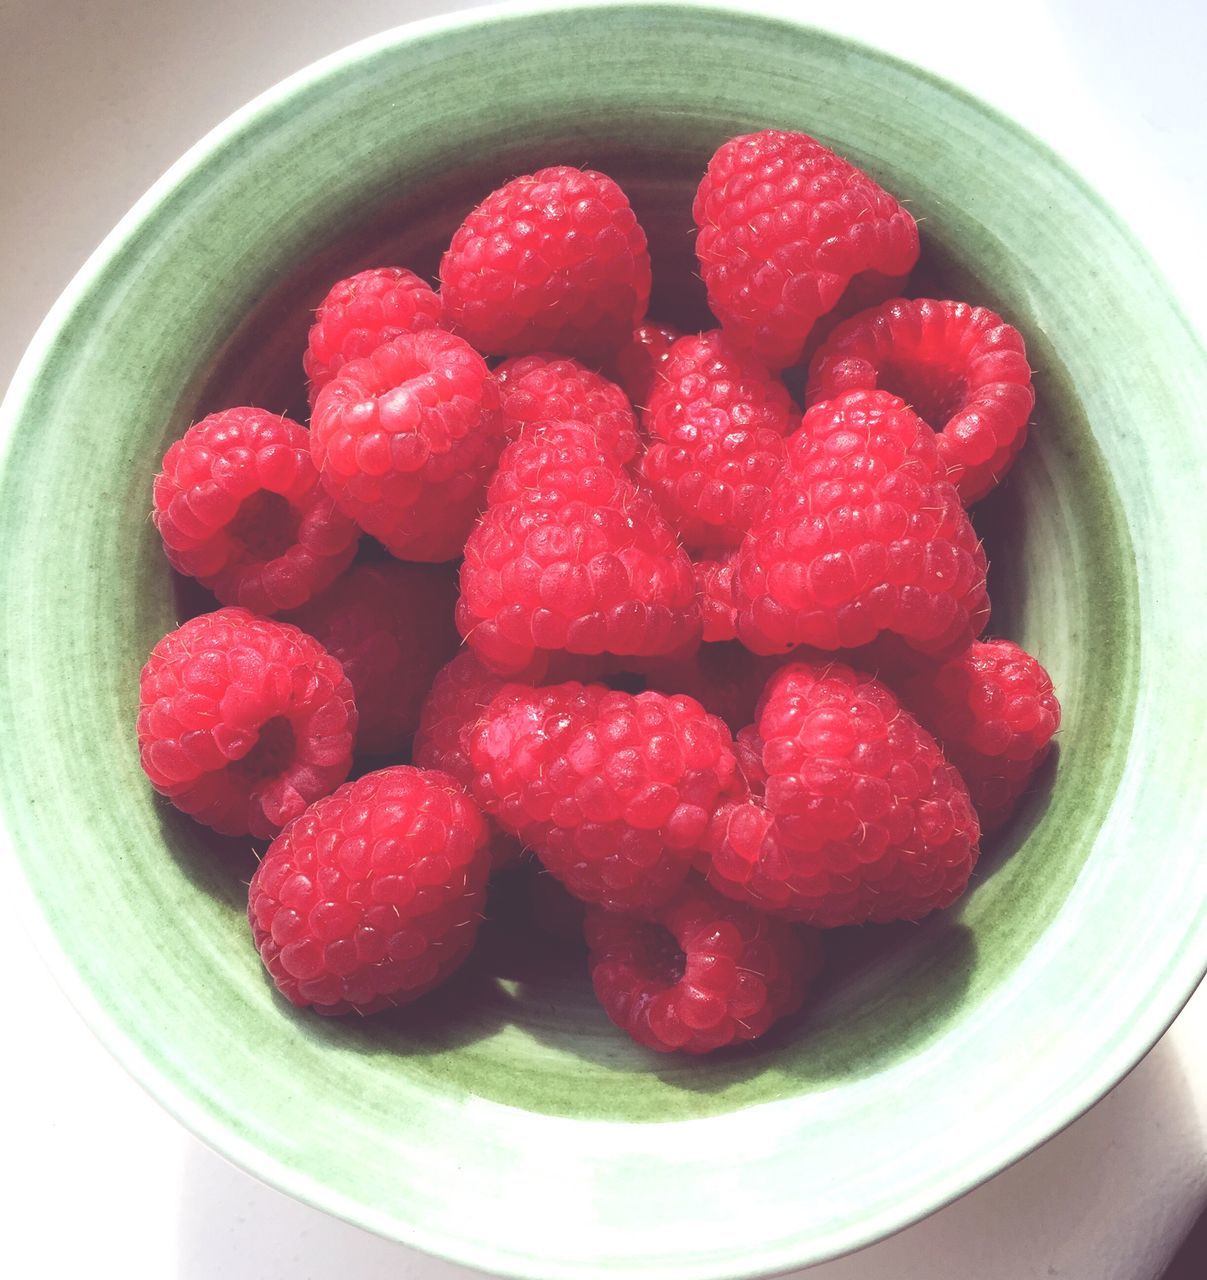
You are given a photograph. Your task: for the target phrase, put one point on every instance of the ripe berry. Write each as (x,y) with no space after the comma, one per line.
(785,225)
(862,535)
(405,440)
(374,895)
(243,721)
(571,555)
(239,507)
(553,261)
(716,420)
(962,369)
(362,312)
(994,712)
(855,813)
(700,973)
(612,791)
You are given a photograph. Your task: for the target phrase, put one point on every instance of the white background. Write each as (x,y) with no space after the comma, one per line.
(97,98)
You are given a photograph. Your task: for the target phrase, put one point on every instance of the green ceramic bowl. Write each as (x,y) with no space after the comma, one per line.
(508,1126)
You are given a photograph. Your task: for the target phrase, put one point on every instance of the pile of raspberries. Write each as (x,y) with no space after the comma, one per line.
(710,670)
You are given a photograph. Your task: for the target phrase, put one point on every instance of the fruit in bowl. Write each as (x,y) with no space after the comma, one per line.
(849,543)
(928,1055)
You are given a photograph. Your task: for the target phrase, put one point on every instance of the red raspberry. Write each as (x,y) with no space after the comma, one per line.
(549,388)
(961,368)
(459,696)
(785,227)
(612,791)
(638,363)
(570,554)
(374,895)
(862,535)
(362,312)
(555,261)
(716,421)
(406,440)
(715,588)
(860,817)
(391,627)
(994,712)
(703,973)
(243,721)
(239,507)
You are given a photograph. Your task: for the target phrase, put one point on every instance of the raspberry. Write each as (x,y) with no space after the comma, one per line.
(374,895)
(717,422)
(703,973)
(785,226)
(459,695)
(549,388)
(961,368)
(612,791)
(715,588)
(862,535)
(570,554)
(391,627)
(243,721)
(638,363)
(406,439)
(553,261)
(994,713)
(856,814)
(362,312)
(239,507)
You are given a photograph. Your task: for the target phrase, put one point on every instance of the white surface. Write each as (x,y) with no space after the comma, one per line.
(96,100)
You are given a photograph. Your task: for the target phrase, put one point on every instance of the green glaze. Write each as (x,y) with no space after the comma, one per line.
(507,1126)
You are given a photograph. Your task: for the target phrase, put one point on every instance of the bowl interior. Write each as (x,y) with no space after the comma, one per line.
(512,1088)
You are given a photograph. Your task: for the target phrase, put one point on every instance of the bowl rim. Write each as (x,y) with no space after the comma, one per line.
(1120,1055)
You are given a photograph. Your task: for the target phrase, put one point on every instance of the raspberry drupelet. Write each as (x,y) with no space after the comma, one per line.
(374,895)
(716,421)
(700,973)
(571,555)
(994,712)
(244,721)
(551,388)
(855,815)
(359,314)
(785,226)
(963,369)
(239,507)
(552,261)
(405,441)
(862,535)
(391,627)
(612,791)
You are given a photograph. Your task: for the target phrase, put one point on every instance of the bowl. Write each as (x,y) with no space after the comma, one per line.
(508,1126)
